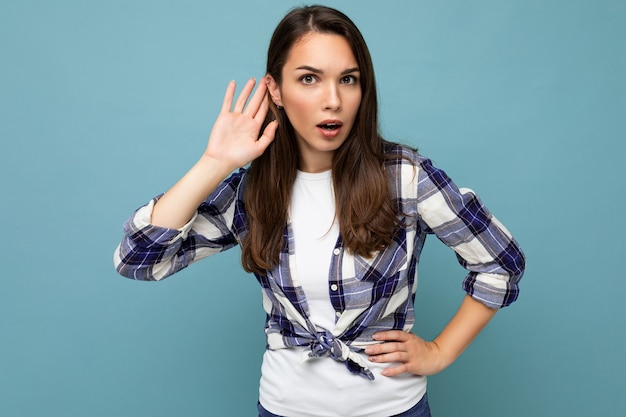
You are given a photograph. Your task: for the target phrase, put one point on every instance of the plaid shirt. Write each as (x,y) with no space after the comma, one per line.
(368,294)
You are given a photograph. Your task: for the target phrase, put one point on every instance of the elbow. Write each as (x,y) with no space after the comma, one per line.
(521,265)
(516,272)
(128,268)
(514,262)
(134,273)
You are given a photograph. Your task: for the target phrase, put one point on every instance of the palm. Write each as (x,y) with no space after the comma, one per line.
(235,135)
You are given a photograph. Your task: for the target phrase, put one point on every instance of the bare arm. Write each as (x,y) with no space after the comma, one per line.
(421,357)
(233,143)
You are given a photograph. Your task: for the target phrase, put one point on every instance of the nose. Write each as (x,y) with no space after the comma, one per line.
(332,98)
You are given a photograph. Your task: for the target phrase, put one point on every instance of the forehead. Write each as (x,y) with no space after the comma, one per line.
(321,50)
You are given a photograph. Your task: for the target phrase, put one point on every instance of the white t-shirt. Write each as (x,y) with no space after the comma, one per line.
(323,386)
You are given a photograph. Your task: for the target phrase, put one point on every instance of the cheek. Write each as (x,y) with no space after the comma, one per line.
(298,108)
(355,104)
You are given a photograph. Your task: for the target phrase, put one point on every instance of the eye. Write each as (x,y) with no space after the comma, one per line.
(349,79)
(307,79)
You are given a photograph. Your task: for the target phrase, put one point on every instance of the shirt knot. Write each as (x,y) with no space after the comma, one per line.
(325,344)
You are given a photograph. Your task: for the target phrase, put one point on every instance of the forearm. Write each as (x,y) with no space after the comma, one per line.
(462,329)
(178,204)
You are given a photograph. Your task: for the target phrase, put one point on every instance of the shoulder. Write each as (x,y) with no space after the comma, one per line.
(410,172)
(395,151)
(397,154)
(401,164)
(400,157)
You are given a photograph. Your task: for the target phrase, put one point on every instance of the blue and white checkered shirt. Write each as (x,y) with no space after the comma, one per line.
(367,294)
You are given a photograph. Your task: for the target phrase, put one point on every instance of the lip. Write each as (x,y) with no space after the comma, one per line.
(330,133)
(331,122)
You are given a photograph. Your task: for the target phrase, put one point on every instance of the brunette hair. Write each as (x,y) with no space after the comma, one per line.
(365,213)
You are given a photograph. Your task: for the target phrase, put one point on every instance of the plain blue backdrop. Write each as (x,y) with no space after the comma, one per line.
(104,104)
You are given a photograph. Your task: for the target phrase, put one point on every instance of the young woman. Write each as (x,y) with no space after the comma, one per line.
(331,219)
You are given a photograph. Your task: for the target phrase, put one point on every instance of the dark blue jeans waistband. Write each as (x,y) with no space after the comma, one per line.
(421,409)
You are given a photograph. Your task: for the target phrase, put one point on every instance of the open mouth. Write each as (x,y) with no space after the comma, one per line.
(329,126)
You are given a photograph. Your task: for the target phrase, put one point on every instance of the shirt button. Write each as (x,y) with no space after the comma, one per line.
(338,314)
(334,287)
(336,251)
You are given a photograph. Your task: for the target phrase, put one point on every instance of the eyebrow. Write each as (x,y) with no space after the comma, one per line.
(319,71)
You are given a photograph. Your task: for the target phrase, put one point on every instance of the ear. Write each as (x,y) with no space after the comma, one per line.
(274,89)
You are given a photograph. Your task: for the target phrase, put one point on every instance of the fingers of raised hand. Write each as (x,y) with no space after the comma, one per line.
(242,99)
(228,97)
(261,112)
(234,136)
(268,135)
(270,130)
(257,105)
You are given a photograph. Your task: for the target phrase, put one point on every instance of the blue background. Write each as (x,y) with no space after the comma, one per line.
(104,104)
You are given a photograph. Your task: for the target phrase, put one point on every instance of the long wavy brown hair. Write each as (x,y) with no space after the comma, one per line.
(365,213)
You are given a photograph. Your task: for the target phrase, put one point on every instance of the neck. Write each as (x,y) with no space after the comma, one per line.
(316,162)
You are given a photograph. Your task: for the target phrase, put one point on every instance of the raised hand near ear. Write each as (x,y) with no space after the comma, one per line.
(235,141)
(236,137)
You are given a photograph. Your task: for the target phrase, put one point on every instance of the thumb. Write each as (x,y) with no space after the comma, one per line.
(268,134)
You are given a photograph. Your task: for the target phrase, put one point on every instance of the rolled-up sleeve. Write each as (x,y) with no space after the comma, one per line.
(482,244)
(151,253)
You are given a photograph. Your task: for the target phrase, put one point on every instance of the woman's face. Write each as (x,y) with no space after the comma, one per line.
(321,94)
